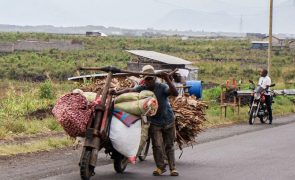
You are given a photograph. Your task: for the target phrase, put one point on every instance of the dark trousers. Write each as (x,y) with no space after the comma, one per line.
(268,102)
(163,136)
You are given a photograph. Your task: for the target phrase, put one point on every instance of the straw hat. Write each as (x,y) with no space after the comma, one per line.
(148,69)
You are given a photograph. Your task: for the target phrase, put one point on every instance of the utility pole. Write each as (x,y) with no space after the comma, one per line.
(270,36)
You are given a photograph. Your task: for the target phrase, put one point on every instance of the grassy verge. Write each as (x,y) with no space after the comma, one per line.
(35,146)
(23,127)
(22,106)
(283,105)
(214,117)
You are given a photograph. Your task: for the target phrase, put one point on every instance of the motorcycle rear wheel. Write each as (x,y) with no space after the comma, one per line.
(263,119)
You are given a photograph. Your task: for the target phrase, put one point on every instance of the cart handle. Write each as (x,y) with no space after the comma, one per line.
(115,70)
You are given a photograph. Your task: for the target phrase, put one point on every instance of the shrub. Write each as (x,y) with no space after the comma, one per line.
(212,94)
(46,91)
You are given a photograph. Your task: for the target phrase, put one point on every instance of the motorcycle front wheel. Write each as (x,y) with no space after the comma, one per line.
(251,116)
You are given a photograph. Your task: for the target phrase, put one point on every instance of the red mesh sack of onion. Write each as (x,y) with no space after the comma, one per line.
(73,113)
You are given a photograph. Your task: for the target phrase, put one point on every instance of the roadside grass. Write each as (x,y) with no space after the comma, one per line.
(35,146)
(215,118)
(214,115)
(21,99)
(283,105)
(24,127)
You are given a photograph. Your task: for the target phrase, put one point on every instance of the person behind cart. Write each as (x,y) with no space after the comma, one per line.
(178,83)
(162,125)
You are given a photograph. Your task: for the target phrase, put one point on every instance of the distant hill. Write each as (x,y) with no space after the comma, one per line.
(113,31)
(230,21)
(223,19)
(50,29)
(183,19)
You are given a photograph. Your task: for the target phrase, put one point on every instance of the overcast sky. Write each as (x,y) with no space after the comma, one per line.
(118,13)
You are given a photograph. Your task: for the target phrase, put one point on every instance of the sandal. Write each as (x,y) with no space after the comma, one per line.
(158,171)
(174,173)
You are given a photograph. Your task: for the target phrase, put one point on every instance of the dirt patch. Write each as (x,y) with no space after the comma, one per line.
(40,113)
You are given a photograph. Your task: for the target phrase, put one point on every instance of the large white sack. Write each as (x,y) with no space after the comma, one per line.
(125,139)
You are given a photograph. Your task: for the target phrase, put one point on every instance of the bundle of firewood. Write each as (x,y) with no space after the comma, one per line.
(97,85)
(190,114)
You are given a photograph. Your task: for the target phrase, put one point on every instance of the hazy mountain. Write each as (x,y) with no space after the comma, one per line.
(185,19)
(196,15)
(232,19)
(51,29)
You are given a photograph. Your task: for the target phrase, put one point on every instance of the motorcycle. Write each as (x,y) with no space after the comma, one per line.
(258,106)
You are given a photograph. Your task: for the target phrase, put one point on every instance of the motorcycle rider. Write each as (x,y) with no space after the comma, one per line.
(265,82)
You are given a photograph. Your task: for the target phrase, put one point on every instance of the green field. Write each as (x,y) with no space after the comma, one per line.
(231,58)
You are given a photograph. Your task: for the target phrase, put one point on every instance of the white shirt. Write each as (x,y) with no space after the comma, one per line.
(263,82)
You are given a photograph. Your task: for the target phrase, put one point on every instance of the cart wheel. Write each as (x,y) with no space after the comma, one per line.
(86,170)
(120,163)
(145,150)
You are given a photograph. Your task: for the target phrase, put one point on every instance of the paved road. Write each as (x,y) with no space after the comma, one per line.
(266,154)
(233,152)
